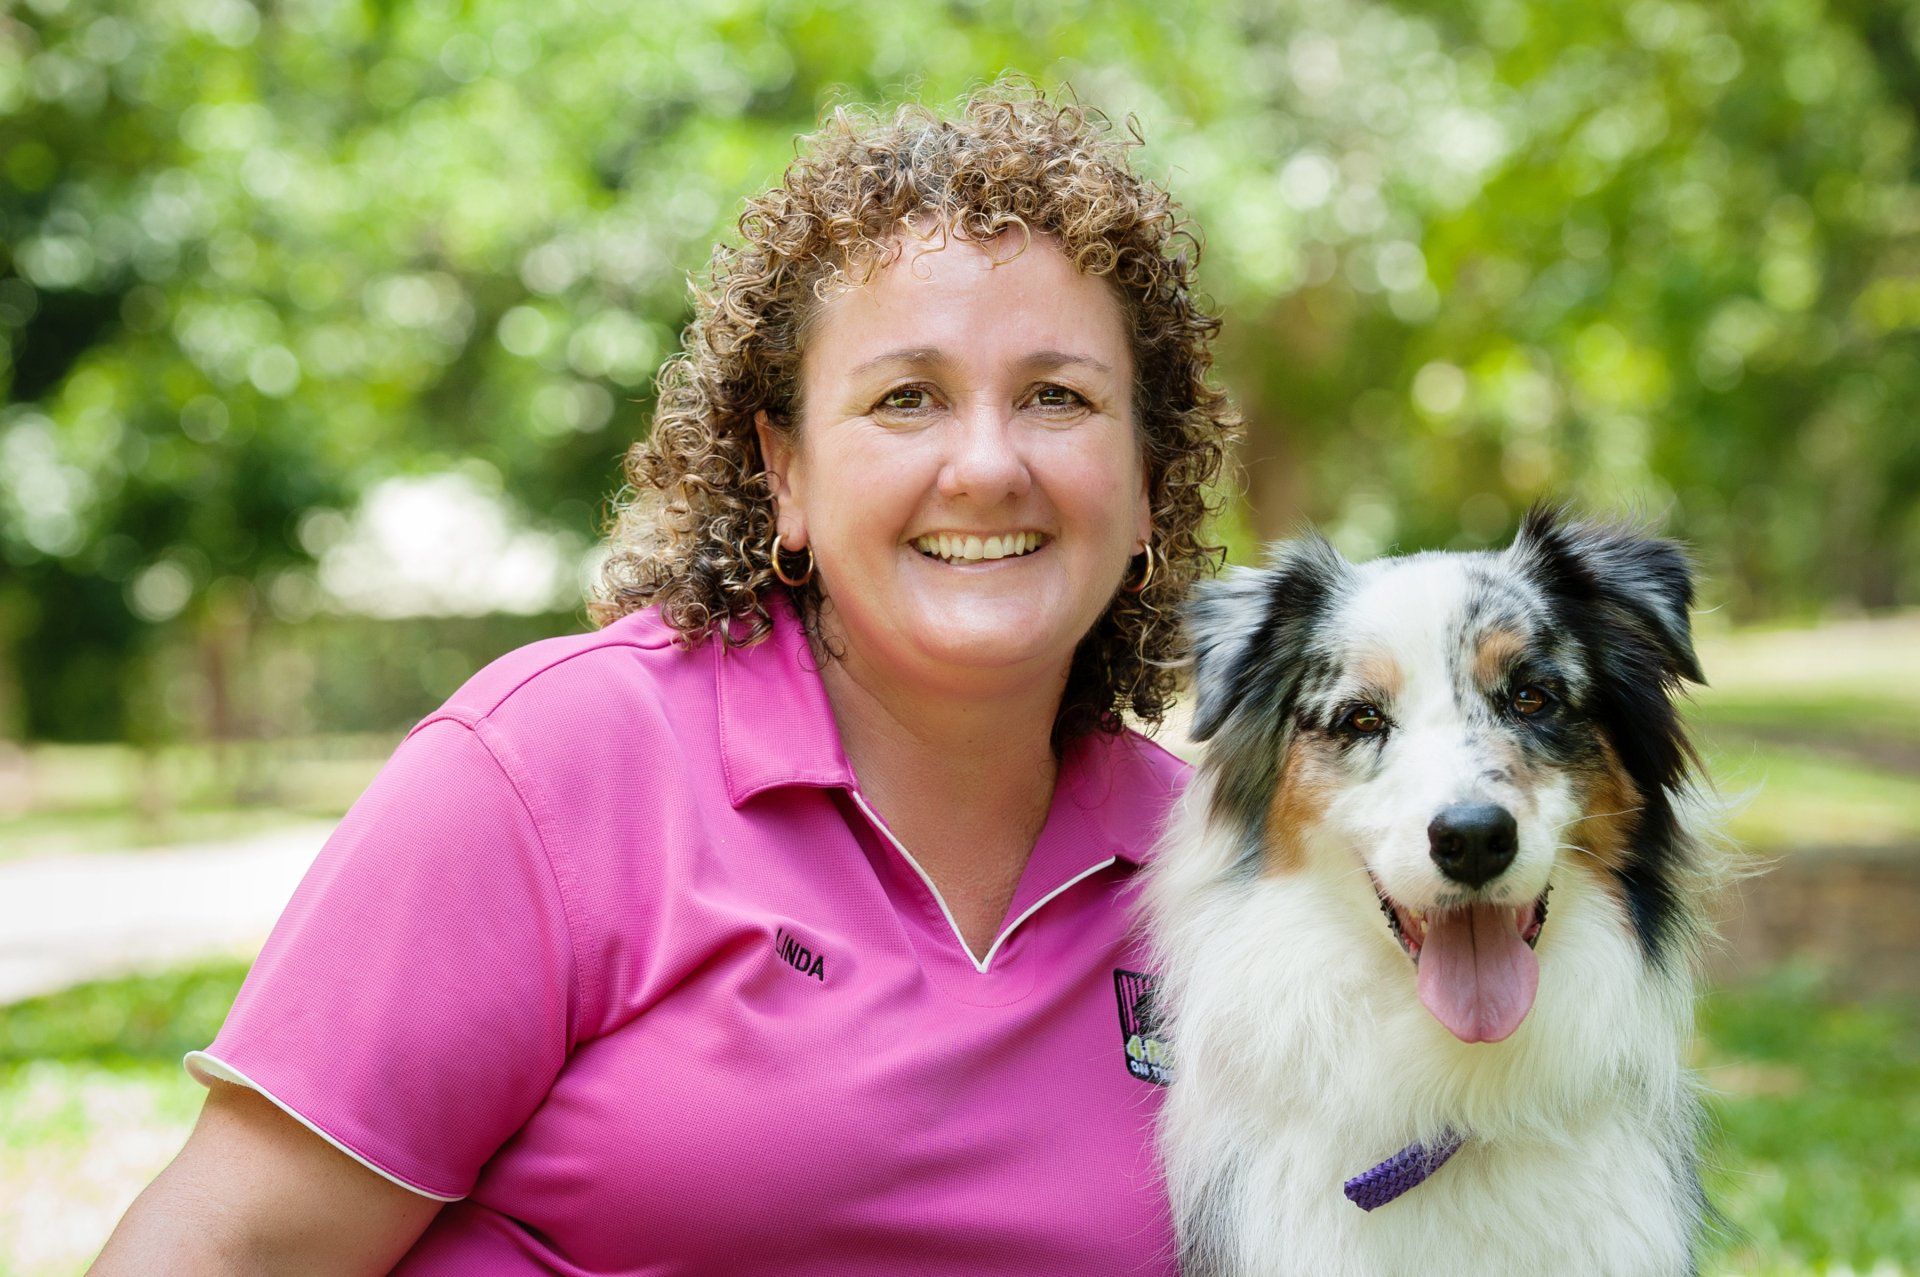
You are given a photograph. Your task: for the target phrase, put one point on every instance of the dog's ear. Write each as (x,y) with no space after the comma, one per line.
(1250,628)
(1642,584)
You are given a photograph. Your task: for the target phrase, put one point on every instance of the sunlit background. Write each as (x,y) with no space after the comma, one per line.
(323,323)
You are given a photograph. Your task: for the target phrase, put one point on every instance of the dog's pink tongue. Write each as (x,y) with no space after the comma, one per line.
(1477,975)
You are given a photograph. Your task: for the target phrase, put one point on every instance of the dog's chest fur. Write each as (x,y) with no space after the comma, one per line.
(1303,1058)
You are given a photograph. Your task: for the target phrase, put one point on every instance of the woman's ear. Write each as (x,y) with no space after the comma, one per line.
(777,452)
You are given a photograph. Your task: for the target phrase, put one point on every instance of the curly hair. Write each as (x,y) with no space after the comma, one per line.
(692,530)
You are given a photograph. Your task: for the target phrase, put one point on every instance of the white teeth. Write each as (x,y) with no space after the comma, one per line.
(955,548)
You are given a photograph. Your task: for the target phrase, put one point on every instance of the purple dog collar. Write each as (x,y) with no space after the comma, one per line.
(1405,1170)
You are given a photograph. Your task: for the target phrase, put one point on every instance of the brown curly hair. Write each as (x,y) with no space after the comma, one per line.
(692,530)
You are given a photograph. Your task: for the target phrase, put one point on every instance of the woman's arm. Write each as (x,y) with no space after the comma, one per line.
(255,1192)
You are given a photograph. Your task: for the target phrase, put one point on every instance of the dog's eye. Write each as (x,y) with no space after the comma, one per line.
(1364,720)
(1529,701)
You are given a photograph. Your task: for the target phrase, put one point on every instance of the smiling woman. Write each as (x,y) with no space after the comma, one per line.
(1013,175)
(996,412)
(778,926)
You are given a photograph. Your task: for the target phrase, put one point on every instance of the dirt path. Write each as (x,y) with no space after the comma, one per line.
(68,919)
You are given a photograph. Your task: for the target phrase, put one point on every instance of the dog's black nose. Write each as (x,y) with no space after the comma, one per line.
(1473,842)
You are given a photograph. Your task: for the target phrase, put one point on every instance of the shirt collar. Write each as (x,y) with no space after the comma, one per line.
(1123,786)
(776,724)
(777,728)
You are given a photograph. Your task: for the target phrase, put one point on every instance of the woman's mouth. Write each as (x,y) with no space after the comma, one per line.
(955,547)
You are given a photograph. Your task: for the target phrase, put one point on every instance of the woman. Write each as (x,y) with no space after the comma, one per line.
(777,926)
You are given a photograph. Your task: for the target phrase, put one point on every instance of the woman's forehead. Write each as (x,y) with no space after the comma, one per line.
(941,298)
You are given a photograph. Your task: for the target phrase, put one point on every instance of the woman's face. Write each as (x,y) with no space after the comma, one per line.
(965,469)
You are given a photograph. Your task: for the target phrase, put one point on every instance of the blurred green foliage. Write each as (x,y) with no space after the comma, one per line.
(255,258)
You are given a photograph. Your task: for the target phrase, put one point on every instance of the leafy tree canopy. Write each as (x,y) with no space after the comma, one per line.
(257,257)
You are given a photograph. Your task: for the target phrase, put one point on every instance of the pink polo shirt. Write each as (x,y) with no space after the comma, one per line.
(614,957)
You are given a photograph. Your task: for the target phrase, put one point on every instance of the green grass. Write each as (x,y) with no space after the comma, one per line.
(1814,1155)
(1815,732)
(1815,1159)
(93,1103)
(124,1023)
(1849,683)
(1785,799)
(1833,719)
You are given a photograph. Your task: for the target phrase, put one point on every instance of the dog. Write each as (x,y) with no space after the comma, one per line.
(1426,920)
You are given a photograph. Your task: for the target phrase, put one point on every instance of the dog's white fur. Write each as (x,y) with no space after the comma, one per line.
(1303,1055)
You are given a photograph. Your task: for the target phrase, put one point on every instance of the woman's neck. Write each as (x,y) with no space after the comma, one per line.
(958,750)
(963,778)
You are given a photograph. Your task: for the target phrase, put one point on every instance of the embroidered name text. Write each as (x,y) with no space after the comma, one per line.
(798,956)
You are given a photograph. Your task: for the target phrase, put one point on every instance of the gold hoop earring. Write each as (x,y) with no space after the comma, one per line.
(1144,576)
(781,572)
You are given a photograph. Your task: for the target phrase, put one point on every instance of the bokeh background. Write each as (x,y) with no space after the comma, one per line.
(324,322)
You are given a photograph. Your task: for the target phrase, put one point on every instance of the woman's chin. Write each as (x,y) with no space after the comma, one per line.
(1012,617)
(985,634)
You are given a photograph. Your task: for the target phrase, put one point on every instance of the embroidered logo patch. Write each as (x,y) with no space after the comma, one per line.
(1147,1056)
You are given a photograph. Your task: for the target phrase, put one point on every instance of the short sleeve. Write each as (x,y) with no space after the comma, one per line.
(413,1004)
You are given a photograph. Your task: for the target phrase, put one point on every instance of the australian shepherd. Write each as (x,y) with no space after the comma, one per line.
(1426,919)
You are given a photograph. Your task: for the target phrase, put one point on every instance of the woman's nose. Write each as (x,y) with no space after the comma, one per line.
(985,462)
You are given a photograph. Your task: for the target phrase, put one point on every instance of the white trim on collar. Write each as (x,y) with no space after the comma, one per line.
(982,963)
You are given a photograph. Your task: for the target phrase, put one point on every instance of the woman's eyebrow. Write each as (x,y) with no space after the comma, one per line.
(925,356)
(912,356)
(1048,360)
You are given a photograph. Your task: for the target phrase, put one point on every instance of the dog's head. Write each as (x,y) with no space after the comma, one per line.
(1457,725)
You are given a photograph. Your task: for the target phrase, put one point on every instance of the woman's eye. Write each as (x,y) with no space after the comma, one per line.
(1364,720)
(905,399)
(1058,397)
(1530,700)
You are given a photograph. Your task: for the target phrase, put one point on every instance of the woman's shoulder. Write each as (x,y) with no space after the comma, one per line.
(629,665)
